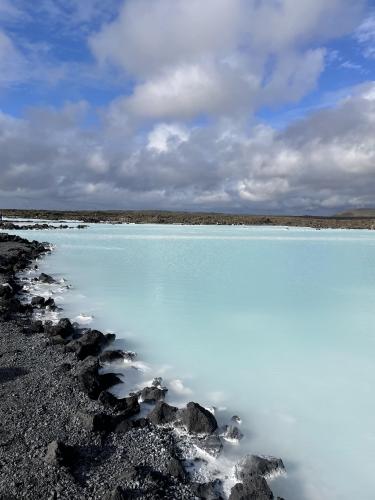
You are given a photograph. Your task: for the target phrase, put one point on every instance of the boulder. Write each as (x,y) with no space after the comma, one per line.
(36,326)
(58,454)
(46,278)
(98,422)
(153,394)
(127,406)
(210,444)
(208,491)
(176,469)
(91,382)
(110,356)
(50,303)
(162,414)
(197,419)
(63,329)
(57,340)
(124,425)
(232,434)
(256,488)
(252,465)
(43,303)
(90,344)
(38,301)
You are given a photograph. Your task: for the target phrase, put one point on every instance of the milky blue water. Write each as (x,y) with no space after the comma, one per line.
(276,325)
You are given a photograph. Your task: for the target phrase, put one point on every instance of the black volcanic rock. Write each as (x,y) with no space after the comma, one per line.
(197,419)
(90,344)
(127,406)
(153,394)
(163,413)
(256,488)
(46,278)
(58,454)
(258,465)
(208,491)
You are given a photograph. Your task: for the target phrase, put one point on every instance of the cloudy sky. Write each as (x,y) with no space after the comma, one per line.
(231,105)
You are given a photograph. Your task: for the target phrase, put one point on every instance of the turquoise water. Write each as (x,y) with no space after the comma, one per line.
(275,325)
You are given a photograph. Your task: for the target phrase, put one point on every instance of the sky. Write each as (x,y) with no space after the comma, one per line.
(249,106)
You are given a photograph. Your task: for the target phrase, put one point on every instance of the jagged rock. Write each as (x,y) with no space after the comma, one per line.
(98,422)
(208,491)
(59,454)
(36,326)
(63,329)
(252,465)
(110,356)
(57,340)
(153,394)
(176,469)
(197,419)
(90,344)
(254,489)
(123,426)
(162,414)
(50,303)
(46,278)
(211,444)
(93,383)
(43,303)
(232,433)
(127,406)
(38,301)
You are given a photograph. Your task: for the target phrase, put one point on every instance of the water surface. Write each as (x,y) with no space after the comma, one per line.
(275,325)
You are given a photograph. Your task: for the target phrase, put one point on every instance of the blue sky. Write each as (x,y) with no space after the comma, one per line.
(187,105)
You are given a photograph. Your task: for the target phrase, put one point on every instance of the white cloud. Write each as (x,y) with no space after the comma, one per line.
(165,136)
(365,35)
(220,57)
(324,162)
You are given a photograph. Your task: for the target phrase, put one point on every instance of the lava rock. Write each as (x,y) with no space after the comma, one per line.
(208,491)
(91,382)
(211,444)
(57,340)
(176,469)
(38,302)
(163,413)
(58,454)
(98,422)
(46,278)
(127,406)
(36,327)
(90,344)
(256,488)
(110,356)
(252,465)
(153,394)
(197,419)
(232,433)
(63,329)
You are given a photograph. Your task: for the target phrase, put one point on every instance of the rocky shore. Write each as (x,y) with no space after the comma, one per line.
(63,435)
(11,226)
(344,221)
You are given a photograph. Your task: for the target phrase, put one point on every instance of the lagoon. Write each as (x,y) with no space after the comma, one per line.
(273,324)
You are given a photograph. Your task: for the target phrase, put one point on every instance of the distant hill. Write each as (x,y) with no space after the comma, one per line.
(359,212)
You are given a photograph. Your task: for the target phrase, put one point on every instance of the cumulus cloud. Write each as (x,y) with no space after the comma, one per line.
(220,56)
(321,163)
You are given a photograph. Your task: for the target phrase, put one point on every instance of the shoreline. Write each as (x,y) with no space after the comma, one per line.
(60,366)
(195,218)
